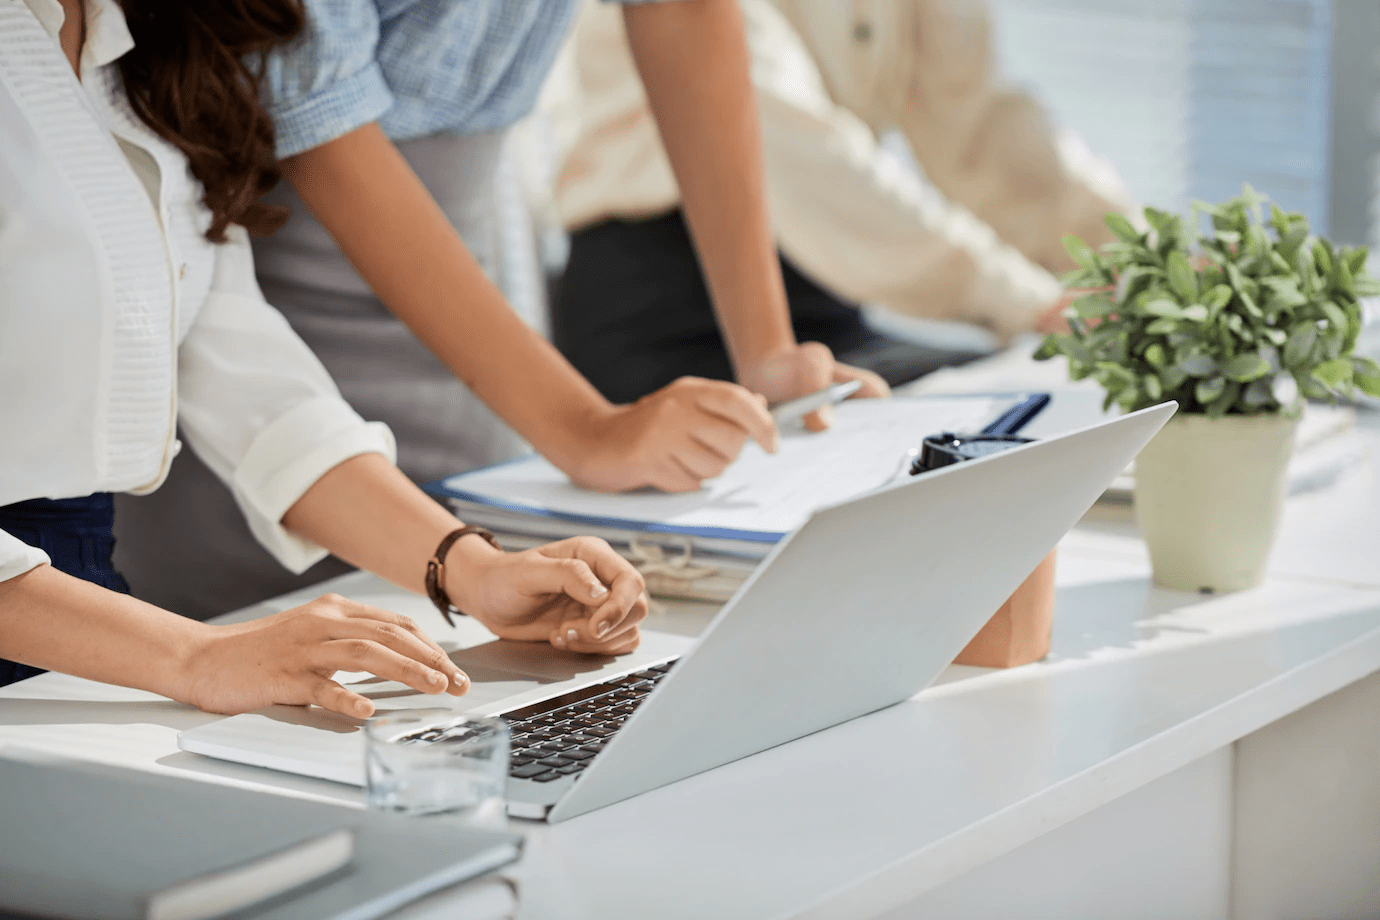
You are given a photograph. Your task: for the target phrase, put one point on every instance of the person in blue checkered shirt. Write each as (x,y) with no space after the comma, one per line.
(389,117)
(374,71)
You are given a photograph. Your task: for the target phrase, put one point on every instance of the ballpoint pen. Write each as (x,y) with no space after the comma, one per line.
(796,409)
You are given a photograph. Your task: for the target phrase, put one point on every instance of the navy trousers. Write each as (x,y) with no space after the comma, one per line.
(76,533)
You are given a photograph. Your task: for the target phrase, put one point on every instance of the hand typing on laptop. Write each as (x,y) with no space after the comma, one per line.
(290,657)
(577,594)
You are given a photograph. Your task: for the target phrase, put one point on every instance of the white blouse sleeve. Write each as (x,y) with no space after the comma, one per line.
(18,557)
(257,406)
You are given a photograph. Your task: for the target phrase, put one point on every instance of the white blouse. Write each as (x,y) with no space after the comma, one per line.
(118,319)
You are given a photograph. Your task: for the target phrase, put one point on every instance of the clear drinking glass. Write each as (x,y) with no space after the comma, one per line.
(422,763)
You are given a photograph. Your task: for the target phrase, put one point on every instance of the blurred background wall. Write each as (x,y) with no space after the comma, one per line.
(1189,97)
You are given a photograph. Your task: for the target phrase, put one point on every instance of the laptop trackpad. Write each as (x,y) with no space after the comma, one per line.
(501,669)
(501,659)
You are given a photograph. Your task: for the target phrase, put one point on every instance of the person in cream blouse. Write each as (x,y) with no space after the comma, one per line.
(978,239)
(118,320)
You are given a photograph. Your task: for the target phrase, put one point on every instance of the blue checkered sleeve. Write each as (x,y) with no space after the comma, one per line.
(328,82)
(417,67)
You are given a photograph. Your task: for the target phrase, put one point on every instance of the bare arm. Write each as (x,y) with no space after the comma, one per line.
(577,594)
(386,223)
(51,620)
(400,241)
(693,59)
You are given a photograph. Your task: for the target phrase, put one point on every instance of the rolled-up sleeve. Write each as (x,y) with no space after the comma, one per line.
(327,83)
(854,218)
(858,220)
(18,557)
(257,406)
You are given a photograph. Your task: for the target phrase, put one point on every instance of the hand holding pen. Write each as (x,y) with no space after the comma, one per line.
(808,369)
(795,410)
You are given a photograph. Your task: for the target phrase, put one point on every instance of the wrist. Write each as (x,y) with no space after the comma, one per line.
(188,665)
(789,372)
(591,431)
(752,365)
(462,565)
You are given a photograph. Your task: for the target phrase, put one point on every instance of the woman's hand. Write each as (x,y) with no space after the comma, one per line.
(577,594)
(674,439)
(1054,322)
(290,657)
(692,429)
(808,368)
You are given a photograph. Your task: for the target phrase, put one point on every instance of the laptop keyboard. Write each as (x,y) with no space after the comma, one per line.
(560,736)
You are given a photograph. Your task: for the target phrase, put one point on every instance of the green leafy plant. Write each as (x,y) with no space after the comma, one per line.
(1268,315)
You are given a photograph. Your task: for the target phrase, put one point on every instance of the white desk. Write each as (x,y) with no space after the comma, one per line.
(1110,780)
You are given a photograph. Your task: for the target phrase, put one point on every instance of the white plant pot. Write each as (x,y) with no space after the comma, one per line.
(1208,498)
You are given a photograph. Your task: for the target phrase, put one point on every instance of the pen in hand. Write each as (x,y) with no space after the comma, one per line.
(793,410)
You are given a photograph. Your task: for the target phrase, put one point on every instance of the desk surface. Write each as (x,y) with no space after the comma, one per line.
(870,814)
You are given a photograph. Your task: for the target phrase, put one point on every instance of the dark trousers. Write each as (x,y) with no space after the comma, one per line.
(76,533)
(632,313)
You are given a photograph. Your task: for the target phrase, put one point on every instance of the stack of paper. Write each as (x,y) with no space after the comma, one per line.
(703,544)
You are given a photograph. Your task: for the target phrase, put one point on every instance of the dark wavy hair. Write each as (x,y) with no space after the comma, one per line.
(189,78)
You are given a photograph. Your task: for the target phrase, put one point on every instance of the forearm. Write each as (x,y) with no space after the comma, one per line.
(368,513)
(692,57)
(577,593)
(853,218)
(51,620)
(387,224)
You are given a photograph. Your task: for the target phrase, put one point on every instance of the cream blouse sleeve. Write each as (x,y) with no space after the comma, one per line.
(855,218)
(257,406)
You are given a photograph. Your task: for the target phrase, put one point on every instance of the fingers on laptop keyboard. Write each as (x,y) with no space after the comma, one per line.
(381,638)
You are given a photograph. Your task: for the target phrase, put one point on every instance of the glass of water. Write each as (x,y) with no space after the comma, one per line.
(424,763)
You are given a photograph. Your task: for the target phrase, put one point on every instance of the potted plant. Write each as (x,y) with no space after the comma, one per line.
(1239,326)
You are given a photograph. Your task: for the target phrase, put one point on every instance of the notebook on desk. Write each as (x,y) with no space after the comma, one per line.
(94,842)
(859,608)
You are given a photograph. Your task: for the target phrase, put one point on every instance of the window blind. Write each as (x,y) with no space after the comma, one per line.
(1187,98)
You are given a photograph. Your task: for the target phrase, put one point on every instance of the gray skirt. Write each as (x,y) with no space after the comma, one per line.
(186,547)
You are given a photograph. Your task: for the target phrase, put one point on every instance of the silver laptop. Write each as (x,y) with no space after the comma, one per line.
(860,608)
